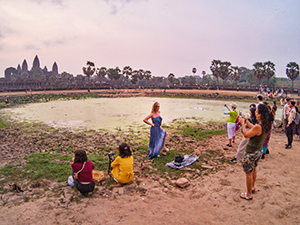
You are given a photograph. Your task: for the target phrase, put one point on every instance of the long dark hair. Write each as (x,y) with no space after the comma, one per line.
(266,117)
(80,156)
(124,150)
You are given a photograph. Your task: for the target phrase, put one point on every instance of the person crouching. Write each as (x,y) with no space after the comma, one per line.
(122,166)
(83,172)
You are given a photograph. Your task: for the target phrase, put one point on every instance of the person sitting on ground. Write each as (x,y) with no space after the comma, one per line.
(83,172)
(290,124)
(231,123)
(122,166)
(257,134)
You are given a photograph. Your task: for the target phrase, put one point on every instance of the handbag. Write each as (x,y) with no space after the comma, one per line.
(76,174)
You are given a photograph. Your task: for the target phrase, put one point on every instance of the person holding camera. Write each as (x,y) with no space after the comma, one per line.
(257,133)
(231,123)
(83,172)
(122,166)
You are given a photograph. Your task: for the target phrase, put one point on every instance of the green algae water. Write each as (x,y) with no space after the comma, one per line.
(123,113)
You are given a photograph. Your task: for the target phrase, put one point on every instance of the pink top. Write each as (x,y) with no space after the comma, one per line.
(86,175)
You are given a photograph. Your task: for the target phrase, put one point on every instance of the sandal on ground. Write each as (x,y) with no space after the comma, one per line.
(229,145)
(164,152)
(244,196)
(253,191)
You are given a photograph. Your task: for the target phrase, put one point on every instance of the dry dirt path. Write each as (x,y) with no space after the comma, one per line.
(212,199)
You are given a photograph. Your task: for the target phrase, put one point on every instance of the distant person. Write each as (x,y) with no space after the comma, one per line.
(83,172)
(297,126)
(122,166)
(231,123)
(158,135)
(259,99)
(286,108)
(290,124)
(7,101)
(257,134)
(266,150)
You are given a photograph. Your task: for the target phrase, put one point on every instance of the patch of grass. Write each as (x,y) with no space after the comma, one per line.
(47,167)
(3,124)
(199,134)
(100,160)
(10,170)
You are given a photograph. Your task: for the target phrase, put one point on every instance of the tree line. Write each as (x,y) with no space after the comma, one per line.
(128,77)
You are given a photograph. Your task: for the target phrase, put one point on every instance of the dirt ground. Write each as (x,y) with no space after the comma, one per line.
(212,199)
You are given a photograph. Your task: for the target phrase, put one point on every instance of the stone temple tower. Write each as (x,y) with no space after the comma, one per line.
(36,64)
(54,69)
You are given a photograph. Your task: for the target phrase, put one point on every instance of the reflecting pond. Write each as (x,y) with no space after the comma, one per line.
(111,113)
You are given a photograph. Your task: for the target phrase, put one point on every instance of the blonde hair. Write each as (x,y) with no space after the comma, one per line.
(154,107)
(233,105)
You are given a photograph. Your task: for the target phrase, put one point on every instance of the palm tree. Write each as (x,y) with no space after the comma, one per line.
(101,72)
(225,71)
(134,76)
(292,72)
(147,74)
(89,70)
(236,73)
(258,70)
(269,69)
(194,70)
(215,69)
(127,70)
(171,78)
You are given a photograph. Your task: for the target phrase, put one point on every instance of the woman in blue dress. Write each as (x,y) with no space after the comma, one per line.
(157,134)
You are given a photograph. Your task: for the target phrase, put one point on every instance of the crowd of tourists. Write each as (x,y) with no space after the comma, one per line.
(256,128)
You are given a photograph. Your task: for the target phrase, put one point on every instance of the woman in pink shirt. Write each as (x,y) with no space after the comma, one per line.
(83,172)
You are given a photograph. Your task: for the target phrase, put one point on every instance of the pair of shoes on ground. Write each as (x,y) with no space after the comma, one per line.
(234,160)
(245,196)
(164,151)
(288,146)
(228,145)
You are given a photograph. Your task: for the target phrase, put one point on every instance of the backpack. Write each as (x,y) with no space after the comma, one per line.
(297,118)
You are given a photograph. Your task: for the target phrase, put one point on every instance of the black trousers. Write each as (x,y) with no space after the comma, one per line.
(289,133)
(83,188)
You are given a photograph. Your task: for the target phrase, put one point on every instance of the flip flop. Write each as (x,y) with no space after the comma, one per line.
(229,145)
(244,196)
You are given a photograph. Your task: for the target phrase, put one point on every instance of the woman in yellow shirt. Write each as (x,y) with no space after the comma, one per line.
(122,166)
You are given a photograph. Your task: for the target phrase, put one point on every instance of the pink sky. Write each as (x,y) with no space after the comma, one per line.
(159,35)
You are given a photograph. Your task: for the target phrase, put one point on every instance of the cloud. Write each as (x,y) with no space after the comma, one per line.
(31,47)
(57,2)
(49,43)
(116,5)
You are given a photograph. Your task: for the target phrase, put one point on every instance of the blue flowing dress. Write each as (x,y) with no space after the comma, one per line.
(157,138)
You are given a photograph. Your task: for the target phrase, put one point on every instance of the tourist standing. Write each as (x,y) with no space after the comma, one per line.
(290,124)
(257,134)
(158,135)
(231,123)
(285,111)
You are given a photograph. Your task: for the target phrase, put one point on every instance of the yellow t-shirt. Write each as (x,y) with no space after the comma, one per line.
(122,169)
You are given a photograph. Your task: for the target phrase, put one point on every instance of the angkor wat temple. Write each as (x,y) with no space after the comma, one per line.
(23,72)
